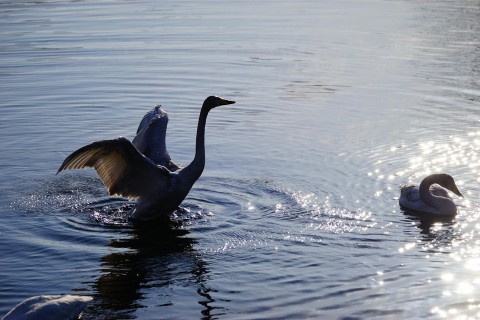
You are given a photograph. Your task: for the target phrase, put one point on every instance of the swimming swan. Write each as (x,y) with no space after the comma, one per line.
(49,308)
(142,169)
(430,197)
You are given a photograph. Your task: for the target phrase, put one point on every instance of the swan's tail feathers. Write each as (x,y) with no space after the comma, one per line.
(121,167)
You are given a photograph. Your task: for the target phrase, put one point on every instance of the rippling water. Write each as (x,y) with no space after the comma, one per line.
(296,214)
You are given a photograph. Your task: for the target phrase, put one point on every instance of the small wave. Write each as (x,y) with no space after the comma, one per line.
(53,196)
(256,213)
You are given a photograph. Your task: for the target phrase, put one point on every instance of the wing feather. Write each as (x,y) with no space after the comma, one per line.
(151,138)
(121,167)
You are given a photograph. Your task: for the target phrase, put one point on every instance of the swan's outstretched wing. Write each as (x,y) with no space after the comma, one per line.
(123,170)
(151,137)
(156,112)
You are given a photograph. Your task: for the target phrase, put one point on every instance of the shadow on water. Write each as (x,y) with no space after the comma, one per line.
(155,256)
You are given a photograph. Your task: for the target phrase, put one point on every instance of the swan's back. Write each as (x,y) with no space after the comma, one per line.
(49,308)
(410,197)
(151,138)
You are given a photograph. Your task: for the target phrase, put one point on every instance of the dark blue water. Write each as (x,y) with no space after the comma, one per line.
(295,216)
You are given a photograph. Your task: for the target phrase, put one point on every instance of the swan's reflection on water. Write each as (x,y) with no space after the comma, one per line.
(154,255)
(437,233)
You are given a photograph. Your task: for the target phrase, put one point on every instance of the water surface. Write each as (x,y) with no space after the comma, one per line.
(296,214)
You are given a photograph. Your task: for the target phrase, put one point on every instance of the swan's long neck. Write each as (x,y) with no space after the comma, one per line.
(194,170)
(442,204)
(426,195)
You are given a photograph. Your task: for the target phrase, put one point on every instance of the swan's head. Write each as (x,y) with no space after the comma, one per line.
(214,101)
(446,181)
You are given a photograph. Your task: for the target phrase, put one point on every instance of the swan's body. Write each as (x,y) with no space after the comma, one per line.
(142,169)
(49,308)
(431,196)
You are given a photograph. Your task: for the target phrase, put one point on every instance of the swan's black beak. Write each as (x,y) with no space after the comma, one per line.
(456,191)
(223,102)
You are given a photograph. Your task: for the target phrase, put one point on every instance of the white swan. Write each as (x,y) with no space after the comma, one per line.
(143,170)
(49,308)
(430,197)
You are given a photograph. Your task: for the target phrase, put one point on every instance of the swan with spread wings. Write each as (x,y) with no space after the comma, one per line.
(142,169)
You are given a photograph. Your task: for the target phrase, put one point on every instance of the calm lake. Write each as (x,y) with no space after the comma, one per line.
(296,215)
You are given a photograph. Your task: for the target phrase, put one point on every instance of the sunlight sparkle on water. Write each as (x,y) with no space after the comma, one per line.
(435,156)
(473,264)
(448,277)
(330,218)
(407,247)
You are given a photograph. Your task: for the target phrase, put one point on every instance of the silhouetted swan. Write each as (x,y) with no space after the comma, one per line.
(430,198)
(152,178)
(49,308)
